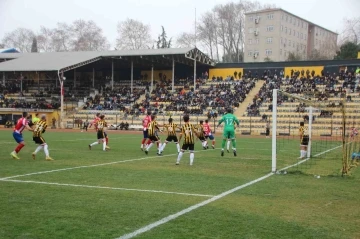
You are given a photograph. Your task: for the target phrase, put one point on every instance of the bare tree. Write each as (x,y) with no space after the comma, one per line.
(224,29)
(20,38)
(185,40)
(351,32)
(207,29)
(61,38)
(87,36)
(133,34)
(45,39)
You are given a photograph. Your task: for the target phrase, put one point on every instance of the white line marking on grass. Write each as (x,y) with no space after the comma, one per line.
(72,140)
(306,159)
(111,188)
(86,166)
(189,209)
(217,197)
(93,165)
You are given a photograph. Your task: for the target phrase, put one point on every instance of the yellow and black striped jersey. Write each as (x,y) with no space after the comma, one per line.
(101,125)
(200,130)
(171,129)
(188,130)
(152,127)
(303,130)
(40,128)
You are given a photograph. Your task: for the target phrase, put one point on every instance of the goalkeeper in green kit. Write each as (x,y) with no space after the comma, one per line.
(229,130)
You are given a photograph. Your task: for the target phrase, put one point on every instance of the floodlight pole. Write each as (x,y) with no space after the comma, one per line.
(195,54)
(173,75)
(132,75)
(112,74)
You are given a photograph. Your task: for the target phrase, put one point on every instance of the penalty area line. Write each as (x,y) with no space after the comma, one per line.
(210,200)
(111,188)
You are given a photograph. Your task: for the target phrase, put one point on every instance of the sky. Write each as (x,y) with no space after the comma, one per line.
(175,15)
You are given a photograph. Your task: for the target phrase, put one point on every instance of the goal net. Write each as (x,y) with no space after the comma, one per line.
(313,136)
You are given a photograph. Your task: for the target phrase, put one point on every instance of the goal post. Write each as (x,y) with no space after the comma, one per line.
(323,144)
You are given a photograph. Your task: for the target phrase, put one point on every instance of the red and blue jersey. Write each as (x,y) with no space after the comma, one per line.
(207,129)
(20,125)
(146,121)
(95,121)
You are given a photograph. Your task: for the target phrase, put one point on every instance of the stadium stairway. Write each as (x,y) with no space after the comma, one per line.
(243,106)
(142,97)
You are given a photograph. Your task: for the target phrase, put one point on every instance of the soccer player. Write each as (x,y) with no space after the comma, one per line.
(304,139)
(96,119)
(152,127)
(94,122)
(21,124)
(208,134)
(171,130)
(189,132)
(35,119)
(40,128)
(146,122)
(229,130)
(100,126)
(201,134)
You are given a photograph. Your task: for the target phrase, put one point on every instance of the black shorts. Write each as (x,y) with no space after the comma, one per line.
(188,147)
(267,132)
(101,135)
(202,138)
(154,138)
(39,140)
(305,140)
(172,138)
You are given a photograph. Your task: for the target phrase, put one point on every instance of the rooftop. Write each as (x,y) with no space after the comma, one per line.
(65,61)
(280,9)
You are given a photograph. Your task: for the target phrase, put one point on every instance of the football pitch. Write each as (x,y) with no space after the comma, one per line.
(123,193)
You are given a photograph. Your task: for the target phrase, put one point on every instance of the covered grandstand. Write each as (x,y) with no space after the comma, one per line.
(112,64)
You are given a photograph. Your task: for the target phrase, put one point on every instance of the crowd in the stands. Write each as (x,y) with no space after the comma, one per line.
(307,84)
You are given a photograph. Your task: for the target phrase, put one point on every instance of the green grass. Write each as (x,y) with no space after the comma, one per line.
(295,205)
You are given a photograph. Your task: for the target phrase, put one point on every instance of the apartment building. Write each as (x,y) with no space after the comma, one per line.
(275,33)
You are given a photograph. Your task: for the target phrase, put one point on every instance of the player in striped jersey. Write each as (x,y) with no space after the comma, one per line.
(304,139)
(153,126)
(189,132)
(39,129)
(171,130)
(100,126)
(94,122)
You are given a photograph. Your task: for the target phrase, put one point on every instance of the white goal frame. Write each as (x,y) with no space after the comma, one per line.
(274,131)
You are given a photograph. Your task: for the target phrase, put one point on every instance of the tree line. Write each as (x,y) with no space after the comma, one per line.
(220,33)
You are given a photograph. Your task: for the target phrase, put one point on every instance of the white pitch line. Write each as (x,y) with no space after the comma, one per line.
(111,188)
(196,206)
(189,209)
(86,166)
(306,159)
(93,165)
